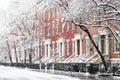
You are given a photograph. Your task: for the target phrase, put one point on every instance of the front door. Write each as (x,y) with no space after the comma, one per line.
(103,44)
(78,47)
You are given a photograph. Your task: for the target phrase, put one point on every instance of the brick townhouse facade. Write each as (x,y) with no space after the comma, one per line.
(58,40)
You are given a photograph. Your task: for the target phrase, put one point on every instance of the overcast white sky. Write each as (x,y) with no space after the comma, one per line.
(10,9)
(3,9)
(4,4)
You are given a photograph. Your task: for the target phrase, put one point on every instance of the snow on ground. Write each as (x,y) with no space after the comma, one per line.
(10,73)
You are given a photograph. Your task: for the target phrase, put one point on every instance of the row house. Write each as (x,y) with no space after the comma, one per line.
(63,42)
(56,39)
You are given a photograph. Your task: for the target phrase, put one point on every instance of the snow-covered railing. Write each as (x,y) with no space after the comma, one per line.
(69,58)
(91,58)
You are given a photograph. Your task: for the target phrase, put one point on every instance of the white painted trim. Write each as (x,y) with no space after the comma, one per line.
(103,31)
(53,42)
(47,41)
(73,39)
(94,36)
(114,58)
(77,36)
(86,37)
(81,47)
(60,40)
(107,44)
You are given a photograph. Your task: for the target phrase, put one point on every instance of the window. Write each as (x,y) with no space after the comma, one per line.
(44,14)
(53,12)
(68,48)
(95,15)
(57,27)
(53,26)
(67,25)
(96,42)
(73,26)
(48,29)
(116,44)
(45,31)
(63,25)
(46,50)
(87,17)
(73,47)
(87,45)
(48,14)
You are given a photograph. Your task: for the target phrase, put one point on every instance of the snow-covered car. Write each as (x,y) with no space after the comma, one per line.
(117,73)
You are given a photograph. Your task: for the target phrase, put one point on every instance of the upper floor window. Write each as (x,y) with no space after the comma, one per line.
(48,14)
(63,26)
(53,12)
(73,26)
(48,30)
(95,15)
(87,17)
(53,27)
(57,27)
(67,24)
(116,46)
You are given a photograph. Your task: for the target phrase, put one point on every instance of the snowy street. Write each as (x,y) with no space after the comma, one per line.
(12,73)
(8,73)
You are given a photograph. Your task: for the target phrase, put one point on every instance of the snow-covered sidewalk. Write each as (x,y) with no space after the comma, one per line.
(11,73)
(86,76)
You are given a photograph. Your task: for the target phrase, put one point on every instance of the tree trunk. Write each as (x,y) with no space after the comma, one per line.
(90,37)
(30,57)
(10,57)
(15,53)
(24,56)
(39,57)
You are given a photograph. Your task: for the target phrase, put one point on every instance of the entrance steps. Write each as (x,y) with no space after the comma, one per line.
(69,59)
(93,59)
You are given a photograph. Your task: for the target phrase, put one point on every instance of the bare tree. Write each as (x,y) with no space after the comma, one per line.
(15,52)
(75,11)
(9,51)
(111,15)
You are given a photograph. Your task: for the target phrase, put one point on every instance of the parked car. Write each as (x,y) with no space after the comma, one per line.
(117,73)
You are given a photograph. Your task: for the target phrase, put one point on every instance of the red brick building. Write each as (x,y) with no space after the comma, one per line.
(59,40)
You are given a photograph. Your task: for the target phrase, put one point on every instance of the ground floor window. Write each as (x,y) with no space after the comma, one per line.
(96,42)
(73,47)
(87,45)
